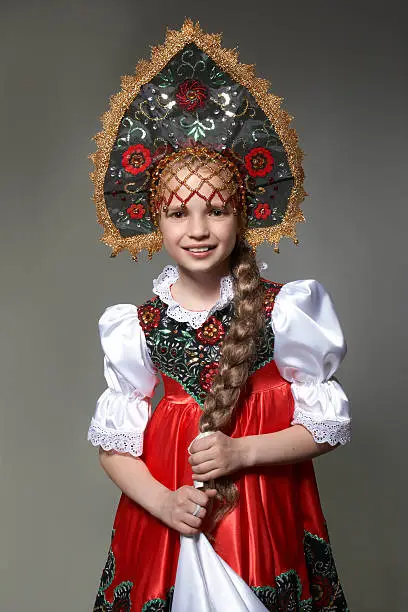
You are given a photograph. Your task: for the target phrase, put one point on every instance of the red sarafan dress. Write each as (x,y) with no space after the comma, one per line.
(274,546)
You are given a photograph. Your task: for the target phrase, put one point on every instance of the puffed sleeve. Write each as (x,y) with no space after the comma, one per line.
(124,408)
(309,347)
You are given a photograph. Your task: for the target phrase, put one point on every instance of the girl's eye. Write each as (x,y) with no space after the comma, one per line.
(218,212)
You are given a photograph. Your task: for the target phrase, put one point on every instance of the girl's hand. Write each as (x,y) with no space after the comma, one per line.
(178,507)
(216,455)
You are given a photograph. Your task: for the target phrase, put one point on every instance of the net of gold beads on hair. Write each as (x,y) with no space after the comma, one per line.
(175,178)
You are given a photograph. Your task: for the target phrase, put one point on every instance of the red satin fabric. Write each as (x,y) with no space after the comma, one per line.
(262,537)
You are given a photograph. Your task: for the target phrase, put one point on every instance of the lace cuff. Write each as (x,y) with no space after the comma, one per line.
(119,422)
(119,441)
(333,432)
(323,408)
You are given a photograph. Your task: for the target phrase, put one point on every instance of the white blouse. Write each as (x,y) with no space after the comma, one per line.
(309,347)
(124,408)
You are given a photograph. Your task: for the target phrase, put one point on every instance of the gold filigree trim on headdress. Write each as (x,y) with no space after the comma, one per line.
(227,59)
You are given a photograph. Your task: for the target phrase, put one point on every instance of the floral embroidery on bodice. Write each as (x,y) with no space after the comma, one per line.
(187,348)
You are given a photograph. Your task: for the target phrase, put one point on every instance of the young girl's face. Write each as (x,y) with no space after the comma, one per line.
(199,225)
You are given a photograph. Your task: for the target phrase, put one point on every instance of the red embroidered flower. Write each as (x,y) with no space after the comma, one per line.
(136,211)
(259,161)
(191,94)
(149,317)
(269,299)
(262,211)
(207,375)
(136,159)
(322,590)
(211,331)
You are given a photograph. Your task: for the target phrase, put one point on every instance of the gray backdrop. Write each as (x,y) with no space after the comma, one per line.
(341,67)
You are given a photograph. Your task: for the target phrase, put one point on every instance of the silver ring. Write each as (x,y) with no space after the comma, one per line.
(197,510)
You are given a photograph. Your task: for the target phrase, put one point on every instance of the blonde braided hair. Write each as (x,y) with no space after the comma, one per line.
(238,351)
(239,346)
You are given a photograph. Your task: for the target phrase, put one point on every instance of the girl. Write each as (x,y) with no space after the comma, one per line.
(245,361)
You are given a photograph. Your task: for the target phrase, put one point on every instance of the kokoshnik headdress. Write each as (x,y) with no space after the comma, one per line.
(194,106)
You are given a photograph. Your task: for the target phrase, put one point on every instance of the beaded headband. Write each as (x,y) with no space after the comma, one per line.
(175,178)
(194,97)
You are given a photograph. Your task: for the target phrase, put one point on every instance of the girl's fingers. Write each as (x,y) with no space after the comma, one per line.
(210,493)
(190,520)
(202,444)
(208,476)
(205,467)
(202,512)
(186,529)
(200,457)
(198,497)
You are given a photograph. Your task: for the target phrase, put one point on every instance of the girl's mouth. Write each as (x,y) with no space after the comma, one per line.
(200,251)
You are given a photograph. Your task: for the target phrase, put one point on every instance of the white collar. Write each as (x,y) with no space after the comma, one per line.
(169,275)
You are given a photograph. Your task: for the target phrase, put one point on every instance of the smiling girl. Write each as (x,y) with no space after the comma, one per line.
(219,509)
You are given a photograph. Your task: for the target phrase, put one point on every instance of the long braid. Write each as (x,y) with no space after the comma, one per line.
(239,346)
(238,351)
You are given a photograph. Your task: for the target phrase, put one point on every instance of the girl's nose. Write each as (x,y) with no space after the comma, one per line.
(198,226)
